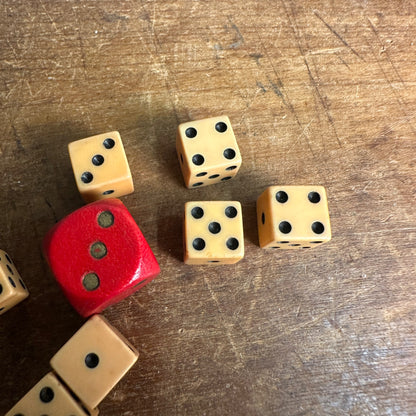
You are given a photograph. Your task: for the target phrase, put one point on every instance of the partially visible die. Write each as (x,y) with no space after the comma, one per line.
(208,152)
(213,232)
(290,217)
(12,288)
(50,397)
(93,361)
(100,167)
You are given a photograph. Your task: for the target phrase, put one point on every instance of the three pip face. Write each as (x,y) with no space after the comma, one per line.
(100,167)
(99,256)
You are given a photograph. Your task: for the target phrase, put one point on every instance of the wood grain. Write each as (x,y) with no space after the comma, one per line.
(319,92)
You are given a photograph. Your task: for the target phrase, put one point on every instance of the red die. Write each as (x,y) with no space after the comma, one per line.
(99,256)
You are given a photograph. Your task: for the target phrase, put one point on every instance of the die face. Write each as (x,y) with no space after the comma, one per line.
(49,397)
(292,217)
(213,232)
(93,361)
(99,256)
(208,152)
(12,288)
(100,167)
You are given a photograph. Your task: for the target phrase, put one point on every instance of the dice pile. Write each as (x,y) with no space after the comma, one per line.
(99,256)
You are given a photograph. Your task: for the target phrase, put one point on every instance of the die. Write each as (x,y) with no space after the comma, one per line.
(12,288)
(50,397)
(208,152)
(99,256)
(291,217)
(100,167)
(93,361)
(213,232)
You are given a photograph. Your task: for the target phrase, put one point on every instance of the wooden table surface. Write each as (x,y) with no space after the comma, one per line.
(318,92)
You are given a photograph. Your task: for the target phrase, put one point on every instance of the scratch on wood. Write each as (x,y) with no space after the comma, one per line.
(261,86)
(340,58)
(385,50)
(397,124)
(81,46)
(239,37)
(112,17)
(52,209)
(237,354)
(322,101)
(397,95)
(387,218)
(249,104)
(338,35)
(295,31)
(49,16)
(256,56)
(286,101)
(19,145)
(324,315)
(11,47)
(168,77)
(305,134)
(276,89)
(388,231)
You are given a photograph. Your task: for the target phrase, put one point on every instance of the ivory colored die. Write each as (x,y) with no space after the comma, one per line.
(213,232)
(290,217)
(208,152)
(49,397)
(93,361)
(12,288)
(100,167)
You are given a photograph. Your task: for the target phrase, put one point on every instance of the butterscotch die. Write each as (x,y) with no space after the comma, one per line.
(93,361)
(290,217)
(208,152)
(50,397)
(213,232)
(100,167)
(12,288)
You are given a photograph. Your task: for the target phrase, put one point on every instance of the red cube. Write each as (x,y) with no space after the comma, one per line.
(99,256)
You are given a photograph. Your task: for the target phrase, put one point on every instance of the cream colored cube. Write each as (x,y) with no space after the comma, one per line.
(93,361)
(291,217)
(49,397)
(12,288)
(208,152)
(100,167)
(213,232)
